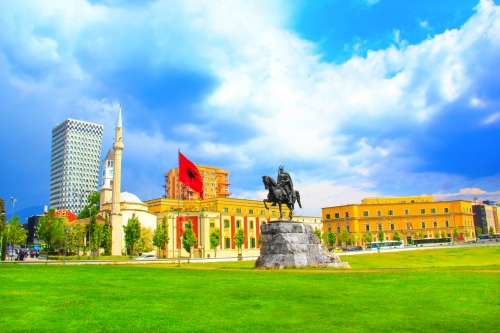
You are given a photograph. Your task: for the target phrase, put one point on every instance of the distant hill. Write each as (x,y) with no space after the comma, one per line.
(27,212)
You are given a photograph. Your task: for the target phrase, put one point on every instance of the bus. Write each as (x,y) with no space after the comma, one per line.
(432,241)
(393,244)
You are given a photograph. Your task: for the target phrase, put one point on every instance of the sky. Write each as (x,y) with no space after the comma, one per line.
(354,98)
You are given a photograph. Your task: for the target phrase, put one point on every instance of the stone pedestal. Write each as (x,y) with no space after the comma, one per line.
(293,244)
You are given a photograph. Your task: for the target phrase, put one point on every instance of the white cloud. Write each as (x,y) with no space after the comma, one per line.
(468,194)
(492,119)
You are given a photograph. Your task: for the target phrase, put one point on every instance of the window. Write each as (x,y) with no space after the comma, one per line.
(226,223)
(367,227)
(238,210)
(283,214)
(329,227)
(337,215)
(393,227)
(407,211)
(435,224)
(212,225)
(348,228)
(251,224)
(346,214)
(262,212)
(447,223)
(252,243)
(186,225)
(273,213)
(250,211)
(338,229)
(408,226)
(446,210)
(238,224)
(365,213)
(225,210)
(423,225)
(380,227)
(328,216)
(379,213)
(422,211)
(433,210)
(227,243)
(391,212)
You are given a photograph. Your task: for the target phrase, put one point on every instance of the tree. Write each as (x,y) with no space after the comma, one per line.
(215,240)
(3,228)
(145,242)
(16,234)
(491,232)
(93,202)
(456,233)
(96,234)
(396,236)
(443,234)
(479,231)
(344,236)
(239,240)
(330,238)
(381,236)
(318,233)
(160,236)
(353,239)
(51,229)
(132,234)
(106,236)
(368,238)
(188,238)
(467,234)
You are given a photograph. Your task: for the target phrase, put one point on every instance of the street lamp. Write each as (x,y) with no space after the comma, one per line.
(90,235)
(66,243)
(13,203)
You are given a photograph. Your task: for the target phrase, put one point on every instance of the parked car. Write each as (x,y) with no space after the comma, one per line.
(358,248)
(337,249)
(146,257)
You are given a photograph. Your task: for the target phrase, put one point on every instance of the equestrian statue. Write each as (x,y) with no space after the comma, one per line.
(281,192)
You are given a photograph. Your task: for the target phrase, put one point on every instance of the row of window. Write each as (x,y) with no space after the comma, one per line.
(238,224)
(392,226)
(251,211)
(227,243)
(390,212)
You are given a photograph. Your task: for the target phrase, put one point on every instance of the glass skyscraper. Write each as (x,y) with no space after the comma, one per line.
(74,172)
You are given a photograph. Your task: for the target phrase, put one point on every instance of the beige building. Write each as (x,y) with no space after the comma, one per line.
(315,222)
(215,184)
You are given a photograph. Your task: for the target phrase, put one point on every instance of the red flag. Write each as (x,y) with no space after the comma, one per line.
(189,175)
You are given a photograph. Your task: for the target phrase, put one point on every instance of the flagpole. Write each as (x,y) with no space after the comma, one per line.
(178,198)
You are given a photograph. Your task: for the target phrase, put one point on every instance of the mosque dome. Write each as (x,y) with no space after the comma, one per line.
(127,197)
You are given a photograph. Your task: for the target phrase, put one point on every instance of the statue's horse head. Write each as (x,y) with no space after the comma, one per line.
(268,182)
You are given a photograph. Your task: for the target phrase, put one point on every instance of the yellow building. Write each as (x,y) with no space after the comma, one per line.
(215,184)
(226,214)
(412,217)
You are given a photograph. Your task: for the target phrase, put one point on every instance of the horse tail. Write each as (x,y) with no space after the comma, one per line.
(297,195)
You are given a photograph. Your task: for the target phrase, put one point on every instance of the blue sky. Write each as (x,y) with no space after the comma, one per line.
(355,98)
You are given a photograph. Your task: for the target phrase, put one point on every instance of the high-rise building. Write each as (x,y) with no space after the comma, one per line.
(74,172)
(215,184)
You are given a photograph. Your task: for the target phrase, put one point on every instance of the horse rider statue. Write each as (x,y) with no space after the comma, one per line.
(285,183)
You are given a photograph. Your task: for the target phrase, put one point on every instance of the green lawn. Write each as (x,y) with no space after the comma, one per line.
(445,290)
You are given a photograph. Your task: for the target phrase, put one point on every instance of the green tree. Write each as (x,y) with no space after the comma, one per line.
(479,231)
(160,236)
(3,228)
(215,240)
(51,229)
(368,238)
(106,236)
(344,236)
(132,233)
(491,232)
(467,234)
(145,242)
(93,202)
(96,234)
(353,239)
(396,236)
(381,236)
(239,239)
(188,238)
(443,234)
(318,233)
(456,233)
(330,238)
(16,234)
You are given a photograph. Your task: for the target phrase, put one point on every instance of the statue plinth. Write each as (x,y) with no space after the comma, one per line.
(293,244)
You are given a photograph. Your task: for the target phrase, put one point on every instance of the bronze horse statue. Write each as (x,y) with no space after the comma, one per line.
(278,196)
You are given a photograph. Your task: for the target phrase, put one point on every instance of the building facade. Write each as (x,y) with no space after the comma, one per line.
(74,173)
(215,184)
(226,214)
(411,217)
(486,217)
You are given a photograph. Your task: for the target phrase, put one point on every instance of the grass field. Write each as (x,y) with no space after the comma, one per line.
(444,290)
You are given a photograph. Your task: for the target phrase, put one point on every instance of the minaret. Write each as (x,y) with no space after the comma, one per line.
(107,176)
(116,216)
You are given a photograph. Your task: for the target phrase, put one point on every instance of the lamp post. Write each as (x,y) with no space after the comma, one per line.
(90,235)
(66,243)
(13,203)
